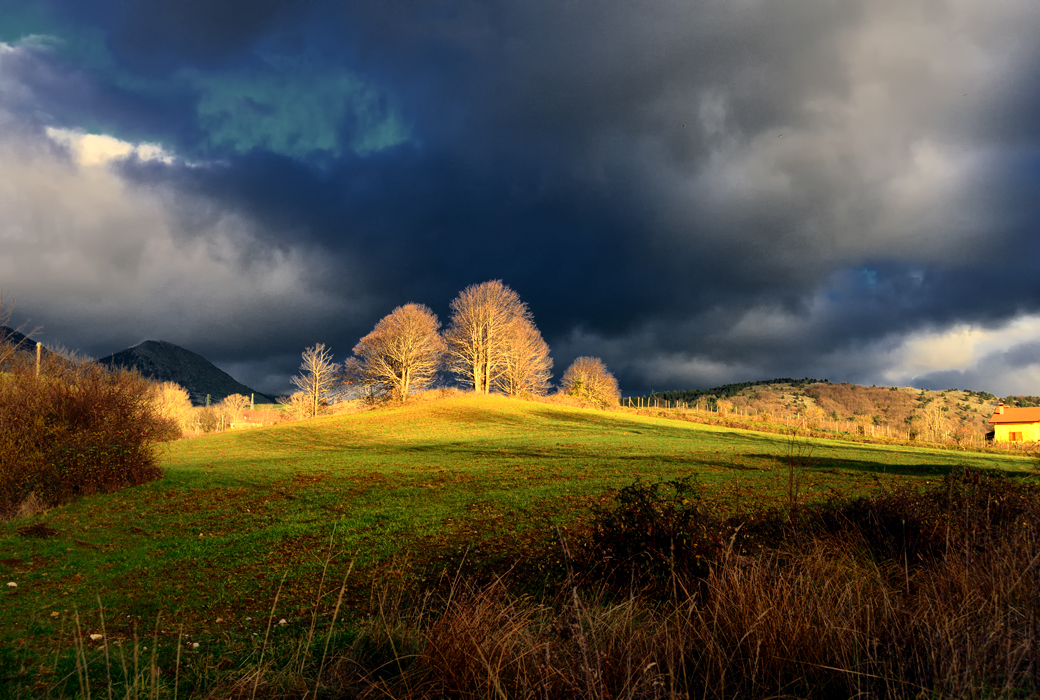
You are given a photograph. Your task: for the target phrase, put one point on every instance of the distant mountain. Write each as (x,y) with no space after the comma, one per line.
(12,336)
(23,343)
(167,362)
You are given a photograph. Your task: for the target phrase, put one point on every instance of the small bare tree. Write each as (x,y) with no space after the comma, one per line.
(526,365)
(171,402)
(317,376)
(936,417)
(588,380)
(235,404)
(482,318)
(297,406)
(402,353)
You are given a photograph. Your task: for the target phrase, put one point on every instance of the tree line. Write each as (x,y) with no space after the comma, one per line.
(491,345)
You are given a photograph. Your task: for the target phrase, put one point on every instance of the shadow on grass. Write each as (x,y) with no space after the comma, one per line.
(837,464)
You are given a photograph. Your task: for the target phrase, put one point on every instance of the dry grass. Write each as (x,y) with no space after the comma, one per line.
(824,620)
(821,617)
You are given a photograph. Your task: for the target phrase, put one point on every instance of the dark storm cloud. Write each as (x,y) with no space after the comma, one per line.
(697,192)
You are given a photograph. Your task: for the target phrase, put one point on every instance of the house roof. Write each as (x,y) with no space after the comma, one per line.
(1016,415)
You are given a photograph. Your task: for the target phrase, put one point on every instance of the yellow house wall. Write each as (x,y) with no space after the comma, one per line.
(1030,431)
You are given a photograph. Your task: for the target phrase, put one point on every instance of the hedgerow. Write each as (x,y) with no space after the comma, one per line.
(72,429)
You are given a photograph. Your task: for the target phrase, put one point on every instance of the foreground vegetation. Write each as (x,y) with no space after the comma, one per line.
(398,530)
(69,429)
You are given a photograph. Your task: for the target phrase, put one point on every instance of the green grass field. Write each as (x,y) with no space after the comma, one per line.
(203,549)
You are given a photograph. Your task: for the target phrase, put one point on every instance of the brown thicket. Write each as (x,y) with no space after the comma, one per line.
(76,428)
(848,400)
(402,354)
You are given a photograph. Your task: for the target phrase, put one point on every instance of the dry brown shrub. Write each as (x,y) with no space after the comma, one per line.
(76,429)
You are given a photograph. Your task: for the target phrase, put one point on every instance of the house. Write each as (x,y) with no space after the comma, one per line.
(1016,424)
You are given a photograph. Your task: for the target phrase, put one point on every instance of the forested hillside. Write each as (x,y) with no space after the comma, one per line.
(898,412)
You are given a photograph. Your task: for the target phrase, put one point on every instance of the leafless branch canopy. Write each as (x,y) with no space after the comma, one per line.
(402,354)
(491,329)
(526,365)
(235,404)
(588,379)
(317,376)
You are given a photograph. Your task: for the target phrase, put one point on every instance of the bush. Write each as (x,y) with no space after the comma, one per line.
(77,429)
(657,530)
(674,528)
(588,380)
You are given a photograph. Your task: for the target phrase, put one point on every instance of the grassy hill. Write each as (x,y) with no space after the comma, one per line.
(410,488)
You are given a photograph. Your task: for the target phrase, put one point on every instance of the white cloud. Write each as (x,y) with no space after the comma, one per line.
(91,150)
(97,257)
(981,356)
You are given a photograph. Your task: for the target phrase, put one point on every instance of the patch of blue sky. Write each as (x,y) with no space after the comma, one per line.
(19,22)
(295,107)
(851,284)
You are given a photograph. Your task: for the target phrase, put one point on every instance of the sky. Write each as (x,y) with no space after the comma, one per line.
(696,192)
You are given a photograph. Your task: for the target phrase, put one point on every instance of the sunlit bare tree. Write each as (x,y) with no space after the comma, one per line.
(318,375)
(483,317)
(235,404)
(526,365)
(172,403)
(588,380)
(936,418)
(402,354)
(297,406)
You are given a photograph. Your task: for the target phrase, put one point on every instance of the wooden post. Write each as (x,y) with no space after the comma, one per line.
(39,349)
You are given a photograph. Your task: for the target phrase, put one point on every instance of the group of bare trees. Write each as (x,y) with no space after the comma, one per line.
(491,344)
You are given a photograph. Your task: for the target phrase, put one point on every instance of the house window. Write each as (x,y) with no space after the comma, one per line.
(1015,437)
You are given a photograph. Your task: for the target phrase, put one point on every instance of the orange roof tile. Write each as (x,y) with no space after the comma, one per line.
(1016,415)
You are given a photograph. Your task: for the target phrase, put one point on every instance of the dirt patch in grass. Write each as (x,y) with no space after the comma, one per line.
(39,530)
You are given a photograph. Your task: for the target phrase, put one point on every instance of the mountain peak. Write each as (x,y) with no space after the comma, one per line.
(166,362)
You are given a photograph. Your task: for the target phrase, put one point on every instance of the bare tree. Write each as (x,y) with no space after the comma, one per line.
(297,406)
(588,380)
(171,402)
(482,319)
(526,365)
(402,353)
(317,376)
(235,404)
(936,418)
